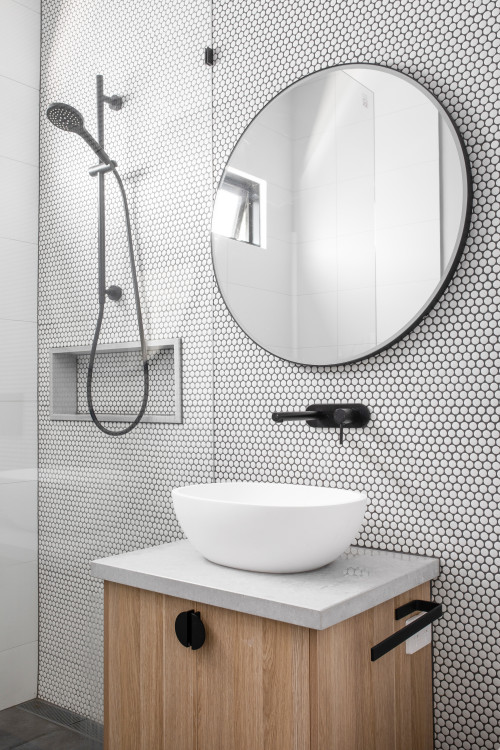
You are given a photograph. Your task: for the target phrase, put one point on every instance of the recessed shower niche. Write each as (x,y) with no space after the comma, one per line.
(68,366)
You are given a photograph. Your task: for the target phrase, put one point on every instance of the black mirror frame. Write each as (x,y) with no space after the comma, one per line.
(458,253)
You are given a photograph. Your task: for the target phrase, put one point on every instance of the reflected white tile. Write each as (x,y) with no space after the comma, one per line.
(317,320)
(315,161)
(18,522)
(355,147)
(18,435)
(357,317)
(19,128)
(315,213)
(19,597)
(356,206)
(18,280)
(265,154)
(317,355)
(268,268)
(409,136)
(313,105)
(391,93)
(354,101)
(316,264)
(18,675)
(407,254)
(268,316)
(19,43)
(279,212)
(407,299)
(349,352)
(408,195)
(18,200)
(18,373)
(356,260)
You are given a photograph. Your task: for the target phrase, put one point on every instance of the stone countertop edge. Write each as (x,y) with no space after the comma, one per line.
(121,569)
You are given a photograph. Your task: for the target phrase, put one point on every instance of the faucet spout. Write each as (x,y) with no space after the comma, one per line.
(292,416)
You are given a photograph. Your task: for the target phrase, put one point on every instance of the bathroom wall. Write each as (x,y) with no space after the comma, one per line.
(429,459)
(101,495)
(19,93)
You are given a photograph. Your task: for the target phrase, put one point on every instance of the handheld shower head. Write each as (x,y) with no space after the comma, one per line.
(65,117)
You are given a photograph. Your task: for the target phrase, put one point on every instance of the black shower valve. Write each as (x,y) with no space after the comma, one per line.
(329,416)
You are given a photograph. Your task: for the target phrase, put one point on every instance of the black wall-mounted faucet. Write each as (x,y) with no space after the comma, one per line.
(328,416)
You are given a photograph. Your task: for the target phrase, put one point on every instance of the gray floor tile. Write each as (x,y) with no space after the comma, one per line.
(61,739)
(17,726)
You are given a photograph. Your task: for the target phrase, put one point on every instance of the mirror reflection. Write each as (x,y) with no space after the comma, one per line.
(339,215)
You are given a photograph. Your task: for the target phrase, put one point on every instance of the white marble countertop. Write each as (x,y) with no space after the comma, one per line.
(358,580)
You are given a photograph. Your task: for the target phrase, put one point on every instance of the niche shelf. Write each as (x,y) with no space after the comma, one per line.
(118,382)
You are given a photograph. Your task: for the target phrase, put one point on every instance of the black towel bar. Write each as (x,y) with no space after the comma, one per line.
(432,612)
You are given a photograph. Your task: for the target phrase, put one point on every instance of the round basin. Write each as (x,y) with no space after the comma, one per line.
(271,528)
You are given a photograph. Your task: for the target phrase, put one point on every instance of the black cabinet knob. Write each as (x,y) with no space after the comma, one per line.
(190,630)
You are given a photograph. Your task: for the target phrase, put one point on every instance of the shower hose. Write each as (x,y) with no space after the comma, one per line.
(144,349)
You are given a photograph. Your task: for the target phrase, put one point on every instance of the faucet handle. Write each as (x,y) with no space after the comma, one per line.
(339,417)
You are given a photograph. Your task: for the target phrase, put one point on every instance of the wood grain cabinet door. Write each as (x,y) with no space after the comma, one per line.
(357,704)
(253,683)
(149,697)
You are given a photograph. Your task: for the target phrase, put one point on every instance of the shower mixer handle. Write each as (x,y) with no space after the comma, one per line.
(114,292)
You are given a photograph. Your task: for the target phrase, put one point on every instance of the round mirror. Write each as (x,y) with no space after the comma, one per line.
(341,215)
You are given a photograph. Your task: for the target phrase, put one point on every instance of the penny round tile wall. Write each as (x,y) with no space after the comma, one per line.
(101,495)
(429,459)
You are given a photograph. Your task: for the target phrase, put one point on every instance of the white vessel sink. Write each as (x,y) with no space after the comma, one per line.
(271,528)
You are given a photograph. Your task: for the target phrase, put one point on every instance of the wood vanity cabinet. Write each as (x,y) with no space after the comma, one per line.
(259,684)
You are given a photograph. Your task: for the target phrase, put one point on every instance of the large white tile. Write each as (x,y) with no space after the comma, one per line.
(316,264)
(19,43)
(265,154)
(34,5)
(18,523)
(408,195)
(355,147)
(407,254)
(397,304)
(315,161)
(317,320)
(18,200)
(313,108)
(316,216)
(356,260)
(18,280)
(19,128)
(356,206)
(18,594)
(266,316)
(18,436)
(18,675)
(410,136)
(268,268)
(18,368)
(354,101)
(13,476)
(357,321)
(279,212)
